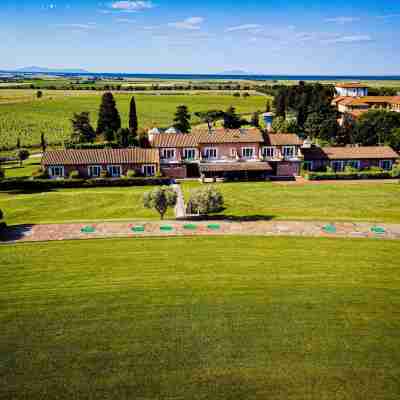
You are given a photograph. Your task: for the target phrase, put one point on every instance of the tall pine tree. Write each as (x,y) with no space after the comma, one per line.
(182,119)
(231,119)
(109,119)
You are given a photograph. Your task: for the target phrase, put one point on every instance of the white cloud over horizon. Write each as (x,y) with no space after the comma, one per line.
(350,39)
(131,6)
(244,27)
(192,23)
(343,20)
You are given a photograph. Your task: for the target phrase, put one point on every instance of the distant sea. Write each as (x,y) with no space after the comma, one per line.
(200,77)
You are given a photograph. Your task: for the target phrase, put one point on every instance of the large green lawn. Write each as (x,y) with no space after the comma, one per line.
(201,318)
(329,202)
(29,117)
(67,205)
(338,202)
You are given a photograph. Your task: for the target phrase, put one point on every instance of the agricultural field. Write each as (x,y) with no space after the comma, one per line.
(216,318)
(337,202)
(21,114)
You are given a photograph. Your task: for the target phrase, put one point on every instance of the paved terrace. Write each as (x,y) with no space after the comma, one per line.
(54,232)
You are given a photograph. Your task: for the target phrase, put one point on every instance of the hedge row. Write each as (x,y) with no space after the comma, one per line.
(319,176)
(46,184)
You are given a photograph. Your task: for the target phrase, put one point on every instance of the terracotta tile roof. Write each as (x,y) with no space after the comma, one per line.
(101,156)
(221,135)
(235,166)
(203,136)
(174,140)
(283,139)
(351,85)
(350,153)
(371,100)
(395,100)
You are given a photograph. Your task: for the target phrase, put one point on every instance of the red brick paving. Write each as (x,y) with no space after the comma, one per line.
(53,232)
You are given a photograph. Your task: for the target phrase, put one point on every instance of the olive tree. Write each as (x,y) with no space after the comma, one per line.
(160,199)
(22,155)
(205,201)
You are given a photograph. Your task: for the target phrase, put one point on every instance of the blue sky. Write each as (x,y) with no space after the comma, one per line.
(161,36)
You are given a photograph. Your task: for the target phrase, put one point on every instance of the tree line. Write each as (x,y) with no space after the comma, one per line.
(306,109)
(108,124)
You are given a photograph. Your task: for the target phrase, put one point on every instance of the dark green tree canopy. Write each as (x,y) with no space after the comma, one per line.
(109,118)
(82,130)
(232,120)
(377,127)
(160,199)
(133,120)
(123,136)
(210,117)
(182,119)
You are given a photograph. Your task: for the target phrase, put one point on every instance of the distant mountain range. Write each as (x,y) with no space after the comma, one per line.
(52,70)
(236,72)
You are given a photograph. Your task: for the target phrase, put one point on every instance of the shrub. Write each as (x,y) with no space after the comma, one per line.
(46,184)
(22,155)
(316,176)
(396,171)
(103,174)
(350,170)
(3,225)
(74,174)
(40,173)
(2,173)
(205,201)
(131,173)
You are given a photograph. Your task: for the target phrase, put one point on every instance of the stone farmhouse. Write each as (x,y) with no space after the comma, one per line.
(352,100)
(239,154)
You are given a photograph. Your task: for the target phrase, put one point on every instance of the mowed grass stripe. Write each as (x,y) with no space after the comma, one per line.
(68,205)
(200,318)
(374,202)
(328,202)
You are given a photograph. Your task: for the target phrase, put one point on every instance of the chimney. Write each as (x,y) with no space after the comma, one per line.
(151,133)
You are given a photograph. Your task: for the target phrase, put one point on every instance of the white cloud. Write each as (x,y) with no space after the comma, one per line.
(124,20)
(88,26)
(131,6)
(192,23)
(350,39)
(389,16)
(245,27)
(342,20)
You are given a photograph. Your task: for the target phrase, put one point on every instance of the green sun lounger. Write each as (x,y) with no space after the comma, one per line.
(329,229)
(138,229)
(214,227)
(166,228)
(378,230)
(190,227)
(88,229)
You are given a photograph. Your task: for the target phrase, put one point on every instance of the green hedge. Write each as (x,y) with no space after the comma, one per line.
(46,184)
(320,176)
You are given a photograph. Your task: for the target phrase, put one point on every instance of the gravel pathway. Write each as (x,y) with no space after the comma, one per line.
(53,232)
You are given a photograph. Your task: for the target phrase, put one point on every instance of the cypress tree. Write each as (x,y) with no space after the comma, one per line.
(43,143)
(133,121)
(109,118)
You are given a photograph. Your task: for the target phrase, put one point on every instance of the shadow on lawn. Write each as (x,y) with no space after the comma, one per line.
(230,218)
(15,232)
